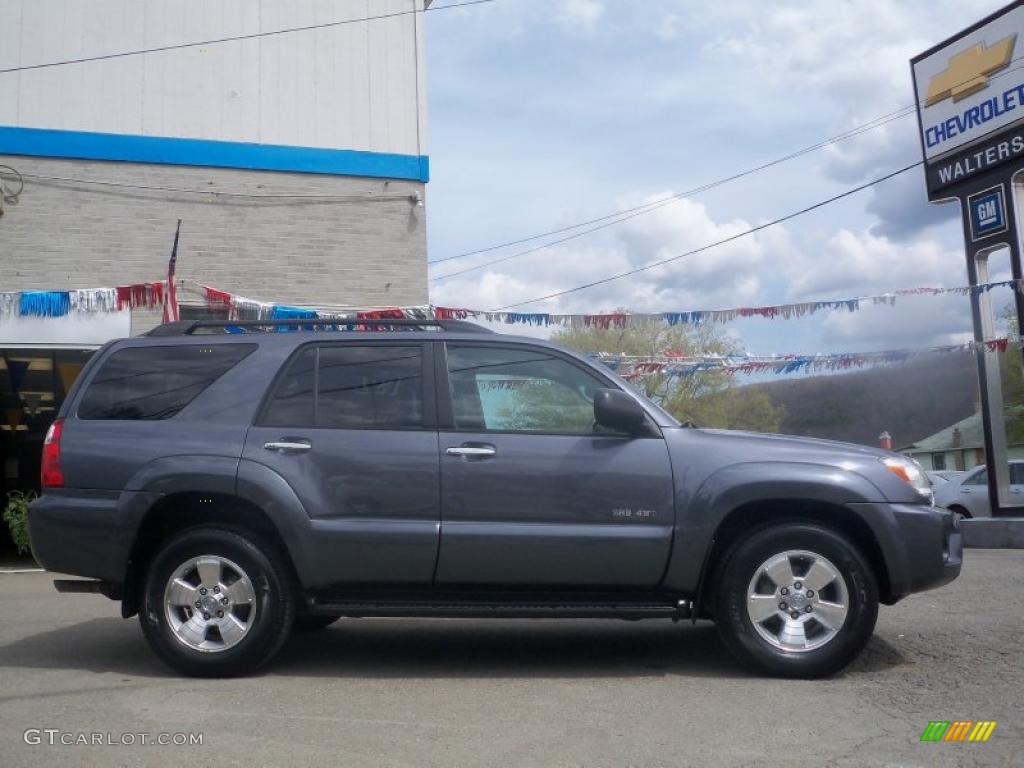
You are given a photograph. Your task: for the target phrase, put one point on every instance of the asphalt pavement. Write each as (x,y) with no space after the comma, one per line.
(379,692)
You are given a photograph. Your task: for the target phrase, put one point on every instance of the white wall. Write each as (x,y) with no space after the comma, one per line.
(356,86)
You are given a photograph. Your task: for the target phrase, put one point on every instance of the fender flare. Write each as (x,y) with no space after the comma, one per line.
(243,479)
(702,514)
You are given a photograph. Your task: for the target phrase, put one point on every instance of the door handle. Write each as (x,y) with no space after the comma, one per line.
(288,445)
(965,490)
(472,451)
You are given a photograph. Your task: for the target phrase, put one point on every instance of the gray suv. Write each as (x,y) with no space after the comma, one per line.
(231,482)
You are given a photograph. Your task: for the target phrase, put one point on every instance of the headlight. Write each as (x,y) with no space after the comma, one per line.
(910,472)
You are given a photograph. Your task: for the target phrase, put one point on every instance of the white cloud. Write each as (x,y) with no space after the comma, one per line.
(853,263)
(914,322)
(670,27)
(719,277)
(580,16)
(854,52)
(730,85)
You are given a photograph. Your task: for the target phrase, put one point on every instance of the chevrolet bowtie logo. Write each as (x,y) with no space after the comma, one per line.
(969,70)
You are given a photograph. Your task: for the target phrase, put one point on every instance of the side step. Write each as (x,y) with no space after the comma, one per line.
(501,609)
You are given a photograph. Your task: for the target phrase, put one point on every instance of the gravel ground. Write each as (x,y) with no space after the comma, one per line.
(527,693)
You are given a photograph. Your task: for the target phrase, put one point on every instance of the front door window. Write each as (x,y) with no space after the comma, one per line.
(520,390)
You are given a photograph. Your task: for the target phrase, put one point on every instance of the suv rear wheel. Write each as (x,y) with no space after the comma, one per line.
(796,600)
(217,603)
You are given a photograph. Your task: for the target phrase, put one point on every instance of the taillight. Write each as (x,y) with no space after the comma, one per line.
(52,474)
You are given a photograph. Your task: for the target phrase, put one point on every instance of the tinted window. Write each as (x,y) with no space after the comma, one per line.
(152,383)
(370,387)
(294,400)
(356,387)
(519,390)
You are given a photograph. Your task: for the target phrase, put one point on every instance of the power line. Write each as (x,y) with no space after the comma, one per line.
(252,36)
(635,212)
(655,204)
(412,197)
(752,230)
(631,213)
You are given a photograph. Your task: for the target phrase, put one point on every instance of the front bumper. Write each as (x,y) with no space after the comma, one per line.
(933,548)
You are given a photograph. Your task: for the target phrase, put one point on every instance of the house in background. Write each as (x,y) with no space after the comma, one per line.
(962,445)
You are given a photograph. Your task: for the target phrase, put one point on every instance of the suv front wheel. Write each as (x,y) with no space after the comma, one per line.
(216,603)
(796,600)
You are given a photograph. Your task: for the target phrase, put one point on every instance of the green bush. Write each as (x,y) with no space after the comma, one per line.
(16,517)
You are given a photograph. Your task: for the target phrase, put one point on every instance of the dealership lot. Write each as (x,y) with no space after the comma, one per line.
(545,693)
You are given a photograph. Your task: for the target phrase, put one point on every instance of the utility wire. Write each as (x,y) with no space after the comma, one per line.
(412,197)
(252,36)
(631,214)
(626,213)
(752,230)
(655,204)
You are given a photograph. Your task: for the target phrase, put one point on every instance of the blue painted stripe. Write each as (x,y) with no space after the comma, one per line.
(45,142)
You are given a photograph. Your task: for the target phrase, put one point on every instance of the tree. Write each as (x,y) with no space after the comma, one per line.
(707,398)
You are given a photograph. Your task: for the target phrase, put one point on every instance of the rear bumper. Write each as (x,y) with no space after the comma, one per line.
(933,546)
(84,533)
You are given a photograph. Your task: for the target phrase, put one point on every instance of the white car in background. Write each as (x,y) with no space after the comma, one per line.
(968,494)
(942,476)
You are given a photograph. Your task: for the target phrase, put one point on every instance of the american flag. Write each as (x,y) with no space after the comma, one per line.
(171,295)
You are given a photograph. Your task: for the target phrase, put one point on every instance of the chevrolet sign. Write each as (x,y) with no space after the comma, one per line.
(973,86)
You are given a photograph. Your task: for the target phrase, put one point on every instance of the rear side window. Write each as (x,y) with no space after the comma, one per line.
(351,387)
(154,383)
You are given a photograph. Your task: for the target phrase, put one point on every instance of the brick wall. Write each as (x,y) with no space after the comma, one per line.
(360,252)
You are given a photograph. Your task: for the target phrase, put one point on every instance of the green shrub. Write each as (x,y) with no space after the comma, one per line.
(16,517)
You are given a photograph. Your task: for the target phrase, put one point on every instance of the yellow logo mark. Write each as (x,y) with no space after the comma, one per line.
(982,730)
(969,70)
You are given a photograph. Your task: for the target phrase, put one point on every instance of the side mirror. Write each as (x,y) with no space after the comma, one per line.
(616,410)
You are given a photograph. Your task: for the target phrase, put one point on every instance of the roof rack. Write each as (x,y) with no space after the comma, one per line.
(189,327)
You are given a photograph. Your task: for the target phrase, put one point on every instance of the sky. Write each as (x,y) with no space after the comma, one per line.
(546,113)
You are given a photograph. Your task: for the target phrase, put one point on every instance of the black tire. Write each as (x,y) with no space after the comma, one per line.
(274,602)
(310,622)
(733,579)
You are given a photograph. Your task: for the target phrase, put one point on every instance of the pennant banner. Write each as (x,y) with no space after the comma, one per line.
(701,316)
(17,369)
(633,368)
(153,294)
(68,373)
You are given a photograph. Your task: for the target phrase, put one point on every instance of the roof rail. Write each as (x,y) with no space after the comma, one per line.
(189,327)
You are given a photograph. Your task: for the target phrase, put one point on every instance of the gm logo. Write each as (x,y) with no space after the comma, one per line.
(988,212)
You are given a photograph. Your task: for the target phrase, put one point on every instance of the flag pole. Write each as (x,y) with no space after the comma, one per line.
(171,313)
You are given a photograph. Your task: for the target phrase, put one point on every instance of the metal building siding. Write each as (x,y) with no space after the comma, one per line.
(356,86)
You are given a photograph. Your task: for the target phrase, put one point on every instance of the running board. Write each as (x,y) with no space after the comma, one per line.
(501,610)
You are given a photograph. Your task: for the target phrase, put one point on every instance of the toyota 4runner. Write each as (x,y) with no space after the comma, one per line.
(231,482)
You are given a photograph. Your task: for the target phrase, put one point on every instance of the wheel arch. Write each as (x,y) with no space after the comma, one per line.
(178,511)
(962,510)
(755,515)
